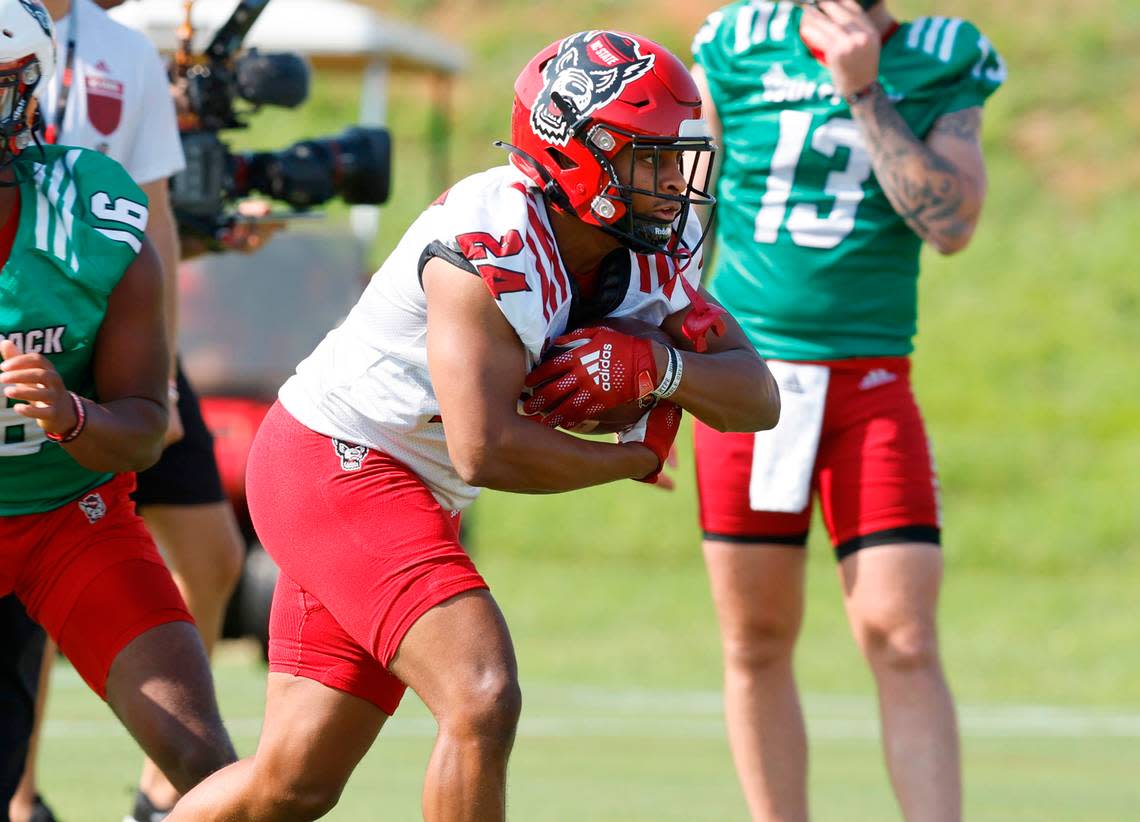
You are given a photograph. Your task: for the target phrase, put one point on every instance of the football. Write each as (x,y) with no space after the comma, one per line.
(623,416)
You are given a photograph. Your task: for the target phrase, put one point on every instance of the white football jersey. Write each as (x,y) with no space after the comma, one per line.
(367,382)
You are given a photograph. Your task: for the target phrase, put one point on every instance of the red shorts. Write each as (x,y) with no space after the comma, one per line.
(873,471)
(364,550)
(89,573)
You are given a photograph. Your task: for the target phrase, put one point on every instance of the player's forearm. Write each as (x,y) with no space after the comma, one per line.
(524,456)
(729,391)
(121,435)
(939,202)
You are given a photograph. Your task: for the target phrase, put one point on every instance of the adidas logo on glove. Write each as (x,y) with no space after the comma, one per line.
(598,363)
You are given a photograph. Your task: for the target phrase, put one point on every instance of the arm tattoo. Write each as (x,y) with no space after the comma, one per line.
(964,125)
(925,189)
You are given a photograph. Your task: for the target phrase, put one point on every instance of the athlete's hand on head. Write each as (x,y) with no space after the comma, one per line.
(32,380)
(598,369)
(656,431)
(846,40)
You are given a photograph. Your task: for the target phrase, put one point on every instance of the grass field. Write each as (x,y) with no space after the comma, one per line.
(1027,368)
(622,716)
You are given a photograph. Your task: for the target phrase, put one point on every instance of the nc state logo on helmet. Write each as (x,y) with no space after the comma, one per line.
(584,99)
(27,59)
(590,70)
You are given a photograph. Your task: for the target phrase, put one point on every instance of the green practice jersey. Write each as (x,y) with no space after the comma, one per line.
(811,257)
(81,224)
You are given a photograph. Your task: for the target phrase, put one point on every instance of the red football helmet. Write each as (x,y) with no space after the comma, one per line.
(583,99)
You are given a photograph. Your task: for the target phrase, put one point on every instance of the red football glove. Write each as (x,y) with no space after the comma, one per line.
(656,431)
(601,369)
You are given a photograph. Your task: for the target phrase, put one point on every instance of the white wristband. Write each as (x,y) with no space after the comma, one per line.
(672,379)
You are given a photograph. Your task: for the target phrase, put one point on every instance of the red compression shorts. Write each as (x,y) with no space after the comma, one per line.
(89,573)
(364,551)
(873,471)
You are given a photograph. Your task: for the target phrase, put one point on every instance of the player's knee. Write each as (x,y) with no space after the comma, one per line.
(761,643)
(192,757)
(292,796)
(306,800)
(488,710)
(902,648)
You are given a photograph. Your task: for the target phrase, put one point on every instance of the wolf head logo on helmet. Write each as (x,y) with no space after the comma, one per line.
(592,69)
(580,103)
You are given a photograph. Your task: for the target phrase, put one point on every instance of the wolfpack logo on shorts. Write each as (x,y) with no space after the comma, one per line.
(351,455)
(93,507)
(37,11)
(590,71)
(104,103)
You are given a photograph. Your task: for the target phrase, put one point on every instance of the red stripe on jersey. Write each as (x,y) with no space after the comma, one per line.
(670,270)
(643,269)
(661,268)
(543,280)
(548,245)
(544,262)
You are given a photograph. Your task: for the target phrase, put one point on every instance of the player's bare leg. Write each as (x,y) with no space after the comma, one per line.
(891,596)
(23,802)
(312,739)
(203,548)
(159,685)
(758,593)
(459,659)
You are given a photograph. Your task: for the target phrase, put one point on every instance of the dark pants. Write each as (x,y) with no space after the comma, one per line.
(21,654)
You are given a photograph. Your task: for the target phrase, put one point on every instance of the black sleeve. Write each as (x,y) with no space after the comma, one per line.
(438,249)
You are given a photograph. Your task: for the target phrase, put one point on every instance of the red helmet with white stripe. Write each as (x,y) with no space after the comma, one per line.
(582,100)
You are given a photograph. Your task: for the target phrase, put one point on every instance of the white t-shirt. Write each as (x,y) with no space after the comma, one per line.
(367,382)
(119,102)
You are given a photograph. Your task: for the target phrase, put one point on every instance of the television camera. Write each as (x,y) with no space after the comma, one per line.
(217,90)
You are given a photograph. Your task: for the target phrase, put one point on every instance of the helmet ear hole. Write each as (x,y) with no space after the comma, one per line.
(563,161)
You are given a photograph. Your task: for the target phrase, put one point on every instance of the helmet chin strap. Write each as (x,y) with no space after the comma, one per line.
(654,232)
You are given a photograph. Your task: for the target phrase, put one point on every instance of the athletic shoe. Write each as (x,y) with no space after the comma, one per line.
(41,812)
(145,811)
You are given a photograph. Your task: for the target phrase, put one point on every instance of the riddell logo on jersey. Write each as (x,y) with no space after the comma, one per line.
(598,365)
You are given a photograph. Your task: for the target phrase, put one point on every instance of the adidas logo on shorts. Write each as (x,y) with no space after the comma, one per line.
(876,377)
